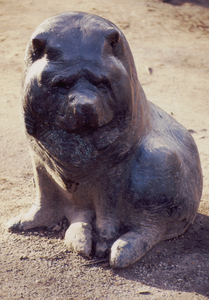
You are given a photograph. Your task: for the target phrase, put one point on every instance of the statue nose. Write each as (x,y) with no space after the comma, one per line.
(84,110)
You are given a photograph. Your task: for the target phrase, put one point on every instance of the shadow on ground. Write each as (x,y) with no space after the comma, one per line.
(204,3)
(180,264)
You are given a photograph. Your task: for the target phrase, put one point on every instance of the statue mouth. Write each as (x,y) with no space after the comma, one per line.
(83,110)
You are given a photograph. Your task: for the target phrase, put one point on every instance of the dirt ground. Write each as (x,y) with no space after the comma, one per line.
(170,44)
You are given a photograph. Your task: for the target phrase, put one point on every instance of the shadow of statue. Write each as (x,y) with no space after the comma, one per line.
(180,264)
(204,3)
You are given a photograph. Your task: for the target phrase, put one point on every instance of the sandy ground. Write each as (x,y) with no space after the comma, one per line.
(170,44)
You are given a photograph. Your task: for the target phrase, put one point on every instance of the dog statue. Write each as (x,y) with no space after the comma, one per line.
(114,164)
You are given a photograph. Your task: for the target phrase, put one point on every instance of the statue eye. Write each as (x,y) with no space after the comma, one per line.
(104,84)
(63,86)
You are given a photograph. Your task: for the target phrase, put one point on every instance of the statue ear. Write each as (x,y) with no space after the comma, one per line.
(38,43)
(113,37)
(38,46)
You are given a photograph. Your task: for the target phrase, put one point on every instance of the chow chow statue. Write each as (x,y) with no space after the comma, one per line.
(123,172)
